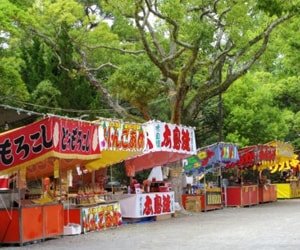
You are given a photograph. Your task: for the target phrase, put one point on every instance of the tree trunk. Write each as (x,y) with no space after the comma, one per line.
(175,179)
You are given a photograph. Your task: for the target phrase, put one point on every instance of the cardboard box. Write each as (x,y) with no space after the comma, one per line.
(72,229)
(193,204)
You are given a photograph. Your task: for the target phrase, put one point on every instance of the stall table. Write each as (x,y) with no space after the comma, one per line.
(288,190)
(209,201)
(242,195)
(267,193)
(147,204)
(94,217)
(31,223)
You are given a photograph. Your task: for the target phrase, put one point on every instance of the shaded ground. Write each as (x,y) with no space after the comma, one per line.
(267,226)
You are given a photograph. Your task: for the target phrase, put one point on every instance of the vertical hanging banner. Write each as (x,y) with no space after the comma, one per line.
(50,137)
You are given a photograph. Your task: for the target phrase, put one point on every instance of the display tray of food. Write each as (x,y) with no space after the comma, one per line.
(213,189)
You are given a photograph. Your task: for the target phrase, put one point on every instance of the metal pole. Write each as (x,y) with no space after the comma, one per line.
(205,194)
(111,184)
(220,106)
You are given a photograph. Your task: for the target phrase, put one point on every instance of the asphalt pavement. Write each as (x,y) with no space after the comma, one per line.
(267,226)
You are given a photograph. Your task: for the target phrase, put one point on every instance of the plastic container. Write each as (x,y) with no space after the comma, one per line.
(4,182)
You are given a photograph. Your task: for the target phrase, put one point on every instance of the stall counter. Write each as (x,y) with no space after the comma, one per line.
(147,204)
(241,195)
(208,201)
(288,190)
(267,193)
(30,223)
(94,217)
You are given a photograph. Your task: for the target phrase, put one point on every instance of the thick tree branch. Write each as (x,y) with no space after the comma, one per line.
(167,73)
(156,43)
(173,55)
(103,66)
(263,34)
(206,91)
(124,51)
(105,93)
(173,23)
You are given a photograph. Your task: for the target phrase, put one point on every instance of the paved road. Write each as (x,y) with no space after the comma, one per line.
(267,226)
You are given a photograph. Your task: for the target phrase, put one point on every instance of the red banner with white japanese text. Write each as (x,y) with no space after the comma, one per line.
(50,137)
(255,155)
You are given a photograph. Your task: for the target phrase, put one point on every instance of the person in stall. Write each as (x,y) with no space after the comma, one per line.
(146,185)
(235,180)
(134,184)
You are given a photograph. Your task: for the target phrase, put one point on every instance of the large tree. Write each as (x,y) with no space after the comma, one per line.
(147,59)
(199,47)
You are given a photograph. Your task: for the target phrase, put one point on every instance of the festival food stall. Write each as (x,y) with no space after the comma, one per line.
(243,189)
(40,152)
(118,141)
(206,169)
(165,143)
(287,164)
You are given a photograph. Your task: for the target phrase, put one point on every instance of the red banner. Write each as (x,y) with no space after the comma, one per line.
(75,137)
(253,155)
(51,136)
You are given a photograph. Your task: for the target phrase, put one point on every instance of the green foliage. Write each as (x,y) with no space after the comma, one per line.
(136,82)
(45,40)
(278,7)
(253,115)
(37,62)
(12,86)
(289,93)
(124,29)
(270,6)
(45,94)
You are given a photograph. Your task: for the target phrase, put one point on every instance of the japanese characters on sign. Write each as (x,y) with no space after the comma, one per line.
(51,134)
(153,204)
(75,137)
(25,143)
(101,217)
(256,154)
(118,135)
(169,137)
(266,153)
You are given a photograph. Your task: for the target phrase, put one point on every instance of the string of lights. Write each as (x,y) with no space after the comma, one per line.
(90,111)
